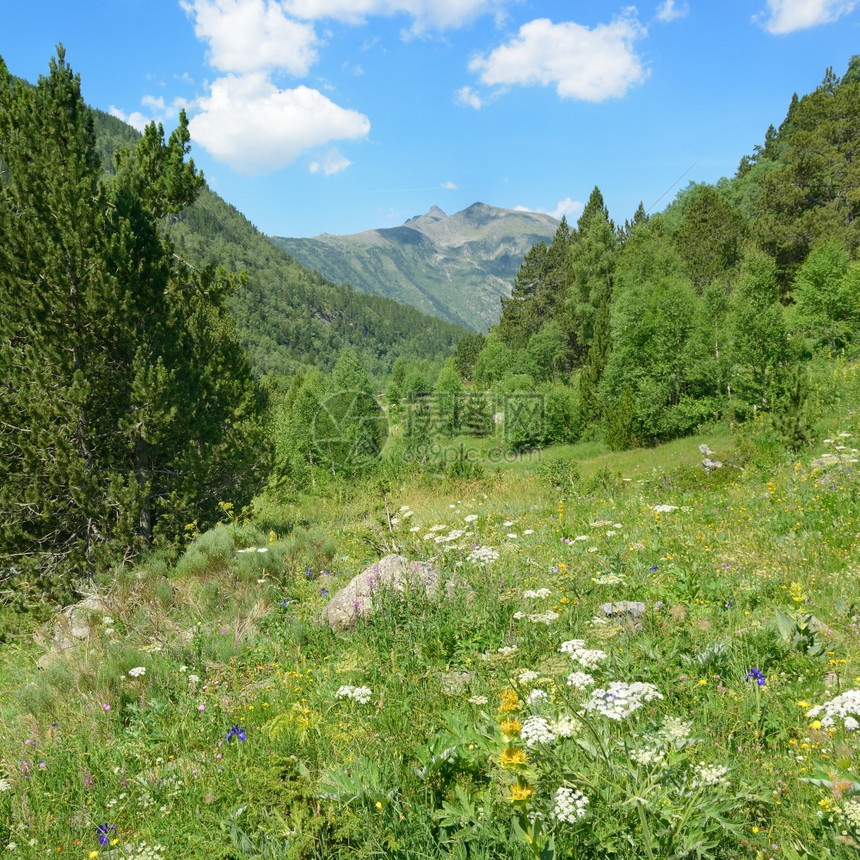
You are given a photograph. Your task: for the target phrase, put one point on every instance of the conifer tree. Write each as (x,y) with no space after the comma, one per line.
(126,404)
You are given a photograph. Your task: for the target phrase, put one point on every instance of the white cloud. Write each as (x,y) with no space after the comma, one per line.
(786,16)
(567,207)
(252,35)
(582,63)
(426,14)
(668,11)
(449,186)
(158,111)
(330,163)
(251,125)
(468,97)
(135,119)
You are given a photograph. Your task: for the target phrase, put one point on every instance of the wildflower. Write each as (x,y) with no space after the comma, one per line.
(528,676)
(482,555)
(470,518)
(513,757)
(565,726)
(714,774)
(537,730)
(795,590)
(521,792)
(510,701)
(93,855)
(757,675)
(587,658)
(537,697)
(846,705)
(675,729)
(478,700)
(665,509)
(5,785)
(236,732)
(137,672)
(357,694)
(647,755)
(620,699)
(539,594)
(103,831)
(569,805)
(510,727)
(193,679)
(579,680)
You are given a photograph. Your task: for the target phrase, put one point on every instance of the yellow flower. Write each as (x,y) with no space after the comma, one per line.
(513,757)
(510,701)
(803,704)
(703,683)
(93,855)
(755,830)
(796,592)
(379,804)
(511,727)
(815,724)
(521,792)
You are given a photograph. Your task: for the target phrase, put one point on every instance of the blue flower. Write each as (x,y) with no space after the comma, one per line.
(103,831)
(324,592)
(237,732)
(757,674)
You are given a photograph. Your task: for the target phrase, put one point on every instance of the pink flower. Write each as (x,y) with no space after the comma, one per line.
(106,706)
(201,707)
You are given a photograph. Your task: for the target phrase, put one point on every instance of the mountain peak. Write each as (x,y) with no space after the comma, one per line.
(436,212)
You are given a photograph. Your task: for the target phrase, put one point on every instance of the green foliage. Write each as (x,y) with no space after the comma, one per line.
(128,404)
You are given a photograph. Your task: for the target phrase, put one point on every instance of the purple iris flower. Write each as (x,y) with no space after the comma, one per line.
(237,732)
(757,675)
(104,831)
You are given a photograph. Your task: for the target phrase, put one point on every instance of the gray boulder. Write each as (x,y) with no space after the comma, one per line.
(391,573)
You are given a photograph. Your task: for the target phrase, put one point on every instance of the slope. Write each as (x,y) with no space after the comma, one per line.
(453,266)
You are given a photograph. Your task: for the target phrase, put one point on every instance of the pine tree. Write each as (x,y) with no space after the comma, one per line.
(126,404)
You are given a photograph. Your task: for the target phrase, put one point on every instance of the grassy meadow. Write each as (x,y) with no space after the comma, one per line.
(211,715)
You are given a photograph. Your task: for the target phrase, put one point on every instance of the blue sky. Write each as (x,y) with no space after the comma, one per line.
(336,116)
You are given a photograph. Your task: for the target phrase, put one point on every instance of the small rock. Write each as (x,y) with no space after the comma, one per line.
(624,610)
(391,573)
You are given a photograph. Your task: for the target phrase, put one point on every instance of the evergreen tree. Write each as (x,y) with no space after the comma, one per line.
(126,403)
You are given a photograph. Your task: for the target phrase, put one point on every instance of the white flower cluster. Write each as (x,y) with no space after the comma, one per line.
(537,730)
(588,658)
(675,730)
(710,774)
(254,549)
(579,680)
(478,700)
(665,509)
(528,676)
(470,518)
(846,706)
(566,726)
(620,699)
(539,594)
(143,851)
(608,579)
(5,785)
(483,555)
(539,617)
(851,813)
(537,697)
(193,680)
(454,534)
(358,694)
(137,672)
(569,805)
(647,755)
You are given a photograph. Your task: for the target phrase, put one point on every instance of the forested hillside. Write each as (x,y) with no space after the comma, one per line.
(288,317)
(711,309)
